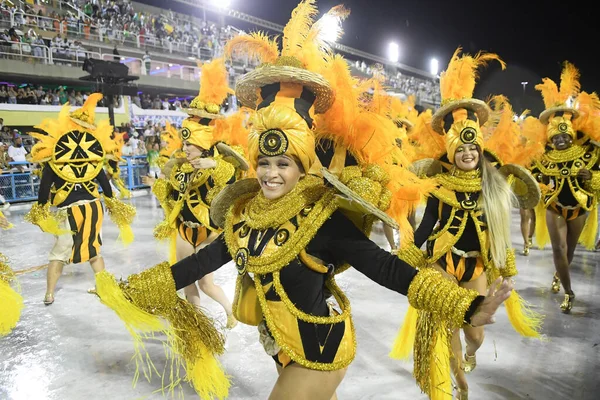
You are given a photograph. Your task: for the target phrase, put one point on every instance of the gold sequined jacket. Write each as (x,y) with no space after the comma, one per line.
(286,252)
(557,170)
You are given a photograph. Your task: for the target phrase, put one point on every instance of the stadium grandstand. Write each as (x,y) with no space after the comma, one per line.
(45,43)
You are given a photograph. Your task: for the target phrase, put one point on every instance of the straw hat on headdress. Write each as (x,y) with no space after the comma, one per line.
(206,107)
(285,89)
(461,116)
(560,111)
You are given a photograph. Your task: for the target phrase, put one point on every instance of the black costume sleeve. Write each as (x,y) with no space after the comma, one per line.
(346,243)
(104,184)
(45,185)
(205,261)
(430,218)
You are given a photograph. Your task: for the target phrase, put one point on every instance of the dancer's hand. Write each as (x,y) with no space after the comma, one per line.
(497,294)
(584,174)
(203,163)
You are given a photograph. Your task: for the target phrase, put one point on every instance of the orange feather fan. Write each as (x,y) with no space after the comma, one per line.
(588,121)
(569,87)
(458,80)
(256,46)
(214,85)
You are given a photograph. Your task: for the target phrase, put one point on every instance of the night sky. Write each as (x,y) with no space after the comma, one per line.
(533,37)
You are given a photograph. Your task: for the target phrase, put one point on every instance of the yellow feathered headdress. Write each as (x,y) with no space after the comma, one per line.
(286,89)
(560,100)
(461,116)
(214,87)
(588,121)
(74,136)
(172,142)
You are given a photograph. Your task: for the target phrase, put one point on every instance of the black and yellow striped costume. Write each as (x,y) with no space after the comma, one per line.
(83,207)
(186,193)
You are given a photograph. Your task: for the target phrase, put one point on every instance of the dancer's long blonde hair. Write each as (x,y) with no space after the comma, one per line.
(497,202)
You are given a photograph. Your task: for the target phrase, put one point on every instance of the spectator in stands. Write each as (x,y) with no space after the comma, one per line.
(147,62)
(152,158)
(6,135)
(30,97)
(136,100)
(62,95)
(17,153)
(127,148)
(157,103)
(3,96)
(4,158)
(39,92)
(38,50)
(141,147)
(1,124)
(12,96)
(78,99)
(117,56)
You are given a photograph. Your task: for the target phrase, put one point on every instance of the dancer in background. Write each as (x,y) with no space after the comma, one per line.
(72,150)
(568,172)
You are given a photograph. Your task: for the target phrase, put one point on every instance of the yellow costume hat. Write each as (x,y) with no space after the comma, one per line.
(214,87)
(72,144)
(285,90)
(559,103)
(461,116)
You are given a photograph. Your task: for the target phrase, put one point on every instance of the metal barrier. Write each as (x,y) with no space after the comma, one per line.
(23,186)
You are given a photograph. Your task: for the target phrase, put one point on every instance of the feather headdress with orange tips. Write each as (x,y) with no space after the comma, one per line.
(214,88)
(588,122)
(559,102)
(505,140)
(81,120)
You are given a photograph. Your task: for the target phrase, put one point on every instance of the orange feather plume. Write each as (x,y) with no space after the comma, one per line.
(427,142)
(296,30)
(588,121)
(569,87)
(458,80)
(256,46)
(214,85)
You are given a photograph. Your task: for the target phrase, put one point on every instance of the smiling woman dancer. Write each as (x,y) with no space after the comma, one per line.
(287,237)
(466,224)
(568,172)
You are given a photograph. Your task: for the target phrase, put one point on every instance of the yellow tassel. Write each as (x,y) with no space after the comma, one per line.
(441,383)
(135,318)
(403,345)
(524,320)
(12,304)
(122,215)
(207,376)
(10,300)
(542,237)
(588,234)
(41,216)
(123,191)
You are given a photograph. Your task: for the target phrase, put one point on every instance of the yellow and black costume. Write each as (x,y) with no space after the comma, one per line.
(288,249)
(185,193)
(454,224)
(112,165)
(576,114)
(11,301)
(73,150)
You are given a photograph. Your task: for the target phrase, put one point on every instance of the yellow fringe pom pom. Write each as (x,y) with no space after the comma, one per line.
(403,345)
(10,300)
(542,237)
(590,229)
(122,215)
(524,320)
(41,216)
(441,383)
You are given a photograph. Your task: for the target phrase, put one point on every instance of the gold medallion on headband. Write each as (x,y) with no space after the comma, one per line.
(185,133)
(468,135)
(272,143)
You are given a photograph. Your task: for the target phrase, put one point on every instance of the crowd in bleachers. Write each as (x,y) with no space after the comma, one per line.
(118,22)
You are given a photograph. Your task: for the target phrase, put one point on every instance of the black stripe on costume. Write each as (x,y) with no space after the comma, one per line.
(78,235)
(315,336)
(194,237)
(205,121)
(93,231)
(449,119)
(304,103)
(257,249)
(268,93)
